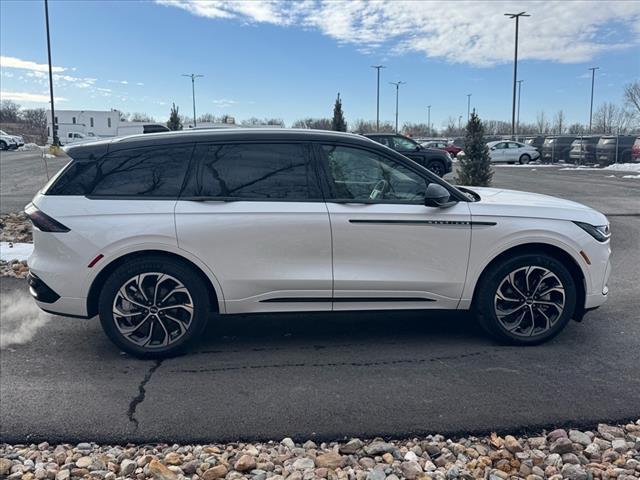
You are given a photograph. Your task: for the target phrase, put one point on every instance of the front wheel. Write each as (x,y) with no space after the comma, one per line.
(526,300)
(153,307)
(525,159)
(3,146)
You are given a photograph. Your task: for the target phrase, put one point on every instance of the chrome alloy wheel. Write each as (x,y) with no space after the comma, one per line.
(529,301)
(152,310)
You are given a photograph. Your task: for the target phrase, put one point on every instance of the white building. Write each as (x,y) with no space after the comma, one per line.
(96,123)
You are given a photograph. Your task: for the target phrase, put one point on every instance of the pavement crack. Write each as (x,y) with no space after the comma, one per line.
(142,392)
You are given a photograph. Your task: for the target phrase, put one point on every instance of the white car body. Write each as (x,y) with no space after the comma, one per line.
(268,256)
(10,141)
(77,137)
(512,152)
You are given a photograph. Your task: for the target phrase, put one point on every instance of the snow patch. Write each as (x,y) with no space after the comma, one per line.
(517,165)
(625,167)
(15,251)
(631,176)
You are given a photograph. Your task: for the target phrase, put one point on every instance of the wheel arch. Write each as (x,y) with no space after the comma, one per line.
(97,283)
(553,251)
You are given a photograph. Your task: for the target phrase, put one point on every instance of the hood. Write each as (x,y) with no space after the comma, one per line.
(498,202)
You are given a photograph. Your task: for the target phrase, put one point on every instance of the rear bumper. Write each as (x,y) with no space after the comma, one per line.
(40,291)
(51,302)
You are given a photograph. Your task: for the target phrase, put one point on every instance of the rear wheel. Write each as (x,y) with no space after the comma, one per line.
(3,145)
(153,307)
(525,159)
(526,300)
(437,168)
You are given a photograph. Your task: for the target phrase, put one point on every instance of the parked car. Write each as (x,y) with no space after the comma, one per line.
(512,152)
(536,142)
(557,149)
(635,150)
(156,233)
(583,150)
(450,148)
(614,149)
(433,159)
(8,142)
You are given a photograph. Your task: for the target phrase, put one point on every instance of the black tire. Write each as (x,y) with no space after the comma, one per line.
(176,270)
(436,167)
(524,159)
(493,277)
(3,145)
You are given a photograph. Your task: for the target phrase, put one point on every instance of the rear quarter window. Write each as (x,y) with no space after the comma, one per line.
(141,172)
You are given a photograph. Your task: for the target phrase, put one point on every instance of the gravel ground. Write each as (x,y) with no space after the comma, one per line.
(14,227)
(608,452)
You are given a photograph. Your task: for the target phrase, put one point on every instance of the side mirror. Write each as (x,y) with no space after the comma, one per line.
(492,148)
(438,196)
(418,148)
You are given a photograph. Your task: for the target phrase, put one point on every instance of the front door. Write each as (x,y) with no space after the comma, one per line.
(255,215)
(389,249)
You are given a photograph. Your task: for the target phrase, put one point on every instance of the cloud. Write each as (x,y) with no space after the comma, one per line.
(475,33)
(140,84)
(224,102)
(121,82)
(13,62)
(28,97)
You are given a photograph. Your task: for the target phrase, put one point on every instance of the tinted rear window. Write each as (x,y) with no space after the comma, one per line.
(254,171)
(145,172)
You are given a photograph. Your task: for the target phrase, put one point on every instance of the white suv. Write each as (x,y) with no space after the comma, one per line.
(155,233)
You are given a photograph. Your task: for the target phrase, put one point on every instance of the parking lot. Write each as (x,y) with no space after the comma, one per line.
(334,375)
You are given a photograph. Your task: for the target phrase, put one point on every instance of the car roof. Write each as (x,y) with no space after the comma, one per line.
(212,135)
(382,134)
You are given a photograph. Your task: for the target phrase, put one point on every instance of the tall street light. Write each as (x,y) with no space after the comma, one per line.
(593,78)
(193,77)
(468,106)
(429,120)
(378,67)
(397,84)
(518,119)
(54,127)
(515,69)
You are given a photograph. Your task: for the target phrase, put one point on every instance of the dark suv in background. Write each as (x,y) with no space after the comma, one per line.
(536,142)
(438,161)
(557,149)
(583,150)
(607,153)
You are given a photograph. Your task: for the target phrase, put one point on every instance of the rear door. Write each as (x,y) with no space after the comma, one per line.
(254,213)
(389,249)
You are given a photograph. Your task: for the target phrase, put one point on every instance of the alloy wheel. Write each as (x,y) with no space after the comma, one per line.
(153,310)
(437,169)
(529,301)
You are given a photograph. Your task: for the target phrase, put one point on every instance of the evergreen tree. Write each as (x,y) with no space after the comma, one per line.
(337,123)
(475,166)
(174,123)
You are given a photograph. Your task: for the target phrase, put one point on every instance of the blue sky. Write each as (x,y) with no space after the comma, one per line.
(288,60)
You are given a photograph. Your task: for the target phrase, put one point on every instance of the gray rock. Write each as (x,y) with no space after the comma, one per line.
(351,447)
(576,436)
(574,472)
(610,432)
(570,458)
(378,448)
(619,445)
(561,445)
(127,467)
(410,470)
(303,463)
(376,474)
(287,442)
(556,434)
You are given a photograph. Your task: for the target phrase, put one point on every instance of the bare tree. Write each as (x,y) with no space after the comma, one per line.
(558,122)
(9,111)
(415,129)
(577,129)
(610,119)
(141,117)
(632,96)
(313,123)
(542,123)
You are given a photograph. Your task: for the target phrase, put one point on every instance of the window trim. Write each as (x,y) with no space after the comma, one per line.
(402,160)
(313,163)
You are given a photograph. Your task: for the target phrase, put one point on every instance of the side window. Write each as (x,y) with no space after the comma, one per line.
(145,172)
(254,171)
(91,122)
(109,122)
(362,175)
(386,141)
(403,144)
(501,145)
(514,145)
(73,120)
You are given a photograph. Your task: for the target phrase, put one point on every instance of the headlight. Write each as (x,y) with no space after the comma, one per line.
(600,232)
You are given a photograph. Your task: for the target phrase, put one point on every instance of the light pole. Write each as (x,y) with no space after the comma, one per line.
(468,106)
(429,120)
(460,123)
(515,69)
(193,77)
(54,128)
(378,67)
(518,119)
(397,84)
(593,78)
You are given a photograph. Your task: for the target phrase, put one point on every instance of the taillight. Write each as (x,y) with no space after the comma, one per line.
(42,221)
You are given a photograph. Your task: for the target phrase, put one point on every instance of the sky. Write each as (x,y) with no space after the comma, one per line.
(289,60)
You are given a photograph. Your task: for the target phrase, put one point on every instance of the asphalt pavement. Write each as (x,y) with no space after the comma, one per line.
(329,376)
